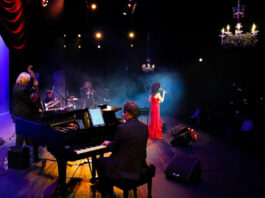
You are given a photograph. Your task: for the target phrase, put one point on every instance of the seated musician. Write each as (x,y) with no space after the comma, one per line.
(23,105)
(49,96)
(128,150)
(85,93)
(50,102)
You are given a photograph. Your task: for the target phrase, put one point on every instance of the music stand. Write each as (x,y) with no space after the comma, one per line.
(144,112)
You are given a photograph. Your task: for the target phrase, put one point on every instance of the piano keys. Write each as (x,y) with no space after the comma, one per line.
(89,149)
(72,135)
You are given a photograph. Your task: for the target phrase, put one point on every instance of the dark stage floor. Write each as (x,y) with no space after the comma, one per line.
(227,171)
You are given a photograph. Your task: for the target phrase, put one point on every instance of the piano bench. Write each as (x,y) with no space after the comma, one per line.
(127,184)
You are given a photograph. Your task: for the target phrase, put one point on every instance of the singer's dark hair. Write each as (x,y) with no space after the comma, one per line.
(155,88)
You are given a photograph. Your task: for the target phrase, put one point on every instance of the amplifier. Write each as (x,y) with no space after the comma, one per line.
(18,157)
(184,139)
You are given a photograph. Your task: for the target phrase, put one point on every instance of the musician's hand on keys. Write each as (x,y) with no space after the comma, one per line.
(106,143)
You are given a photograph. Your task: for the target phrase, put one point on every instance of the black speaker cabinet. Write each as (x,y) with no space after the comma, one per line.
(183,168)
(18,157)
(176,133)
(183,139)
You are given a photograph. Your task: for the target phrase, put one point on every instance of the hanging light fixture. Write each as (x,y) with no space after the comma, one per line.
(148,66)
(238,39)
(44,3)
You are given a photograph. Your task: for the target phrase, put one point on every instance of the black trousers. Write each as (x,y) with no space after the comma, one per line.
(99,164)
(20,141)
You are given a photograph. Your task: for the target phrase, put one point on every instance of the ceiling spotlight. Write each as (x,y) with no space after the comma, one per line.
(131,34)
(124,13)
(79,35)
(93,6)
(129,5)
(79,46)
(200,60)
(98,35)
(131,45)
(64,35)
(64,46)
(99,46)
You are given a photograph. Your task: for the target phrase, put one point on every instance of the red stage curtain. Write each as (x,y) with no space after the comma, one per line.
(13,20)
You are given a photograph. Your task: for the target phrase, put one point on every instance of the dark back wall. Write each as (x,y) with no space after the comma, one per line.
(179,36)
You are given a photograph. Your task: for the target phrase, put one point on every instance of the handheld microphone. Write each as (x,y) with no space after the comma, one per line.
(164,90)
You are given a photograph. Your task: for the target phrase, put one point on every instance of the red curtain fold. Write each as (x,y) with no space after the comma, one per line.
(14,22)
(8,1)
(21,35)
(15,6)
(16,18)
(18,29)
(19,47)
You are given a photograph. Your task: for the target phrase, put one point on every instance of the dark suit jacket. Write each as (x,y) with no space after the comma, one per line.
(23,106)
(128,151)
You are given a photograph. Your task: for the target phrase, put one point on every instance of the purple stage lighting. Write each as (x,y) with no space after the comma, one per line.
(4,82)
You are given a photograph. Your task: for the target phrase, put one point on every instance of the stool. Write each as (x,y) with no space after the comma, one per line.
(127,184)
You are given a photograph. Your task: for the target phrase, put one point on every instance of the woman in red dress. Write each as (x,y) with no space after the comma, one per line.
(155,126)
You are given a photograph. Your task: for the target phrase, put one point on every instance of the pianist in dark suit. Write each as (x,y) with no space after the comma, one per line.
(23,105)
(128,149)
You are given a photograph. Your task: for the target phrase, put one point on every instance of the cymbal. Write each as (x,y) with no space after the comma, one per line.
(73,99)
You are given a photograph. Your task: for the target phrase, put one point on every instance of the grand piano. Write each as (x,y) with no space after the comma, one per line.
(72,135)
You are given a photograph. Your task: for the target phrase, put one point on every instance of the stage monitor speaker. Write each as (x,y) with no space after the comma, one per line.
(18,157)
(183,168)
(2,141)
(183,139)
(175,132)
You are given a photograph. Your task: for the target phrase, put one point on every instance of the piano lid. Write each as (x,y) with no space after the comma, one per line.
(38,132)
(111,108)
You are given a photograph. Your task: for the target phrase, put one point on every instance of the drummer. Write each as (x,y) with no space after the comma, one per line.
(86,94)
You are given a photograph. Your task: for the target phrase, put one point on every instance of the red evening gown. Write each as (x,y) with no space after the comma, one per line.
(155,126)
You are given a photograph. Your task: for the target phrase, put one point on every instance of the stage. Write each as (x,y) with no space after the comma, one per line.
(227,171)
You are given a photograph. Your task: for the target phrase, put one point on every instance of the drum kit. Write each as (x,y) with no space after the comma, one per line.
(73,102)
(95,99)
(51,106)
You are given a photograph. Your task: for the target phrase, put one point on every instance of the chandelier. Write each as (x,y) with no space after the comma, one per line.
(44,3)
(148,66)
(238,39)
